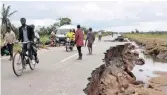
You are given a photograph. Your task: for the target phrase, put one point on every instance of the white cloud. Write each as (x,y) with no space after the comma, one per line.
(36,22)
(119,16)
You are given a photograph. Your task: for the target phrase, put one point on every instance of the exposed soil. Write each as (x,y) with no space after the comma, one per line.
(153,46)
(160,82)
(115,76)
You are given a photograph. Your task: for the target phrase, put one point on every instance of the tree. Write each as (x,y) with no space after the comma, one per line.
(65,21)
(54,26)
(15,30)
(137,31)
(5,14)
(84,29)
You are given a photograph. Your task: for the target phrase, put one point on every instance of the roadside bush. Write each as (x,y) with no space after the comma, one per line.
(44,38)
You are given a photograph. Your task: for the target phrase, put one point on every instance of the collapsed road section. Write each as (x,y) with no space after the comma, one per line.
(115,76)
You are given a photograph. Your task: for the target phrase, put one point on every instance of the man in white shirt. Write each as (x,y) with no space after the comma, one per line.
(9,41)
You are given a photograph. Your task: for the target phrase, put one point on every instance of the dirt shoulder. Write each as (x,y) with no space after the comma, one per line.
(160,82)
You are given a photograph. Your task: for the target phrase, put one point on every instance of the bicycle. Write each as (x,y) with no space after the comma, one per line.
(23,60)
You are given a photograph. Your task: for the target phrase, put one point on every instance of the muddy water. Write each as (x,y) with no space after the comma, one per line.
(145,72)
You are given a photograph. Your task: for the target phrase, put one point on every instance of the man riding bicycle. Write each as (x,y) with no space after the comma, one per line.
(71,35)
(26,34)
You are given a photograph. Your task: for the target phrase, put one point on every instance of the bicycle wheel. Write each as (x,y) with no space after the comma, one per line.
(32,63)
(17,62)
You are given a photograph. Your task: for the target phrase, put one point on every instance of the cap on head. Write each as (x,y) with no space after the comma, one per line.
(78,26)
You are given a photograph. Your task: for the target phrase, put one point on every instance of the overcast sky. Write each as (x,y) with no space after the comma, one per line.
(108,15)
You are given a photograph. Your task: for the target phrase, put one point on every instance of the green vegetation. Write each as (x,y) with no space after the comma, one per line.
(17,47)
(5,14)
(44,38)
(152,41)
(65,21)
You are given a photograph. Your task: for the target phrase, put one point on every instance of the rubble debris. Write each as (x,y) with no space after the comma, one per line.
(114,77)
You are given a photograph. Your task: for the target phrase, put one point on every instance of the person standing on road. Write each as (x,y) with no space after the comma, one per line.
(53,38)
(90,38)
(53,35)
(79,40)
(99,35)
(9,41)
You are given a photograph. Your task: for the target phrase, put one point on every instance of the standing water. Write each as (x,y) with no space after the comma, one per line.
(146,71)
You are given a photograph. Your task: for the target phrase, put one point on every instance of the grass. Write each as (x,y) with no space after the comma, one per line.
(44,38)
(158,41)
(17,47)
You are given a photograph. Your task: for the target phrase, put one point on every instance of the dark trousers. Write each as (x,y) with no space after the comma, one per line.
(79,50)
(28,47)
(10,48)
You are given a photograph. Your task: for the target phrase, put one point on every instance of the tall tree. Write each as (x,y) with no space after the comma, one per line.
(5,14)
(65,21)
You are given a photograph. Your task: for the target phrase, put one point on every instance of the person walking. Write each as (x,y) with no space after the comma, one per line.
(90,38)
(99,35)
(79,40)
(9,41)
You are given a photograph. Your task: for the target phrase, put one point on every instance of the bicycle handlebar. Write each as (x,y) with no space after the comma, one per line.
(25,42)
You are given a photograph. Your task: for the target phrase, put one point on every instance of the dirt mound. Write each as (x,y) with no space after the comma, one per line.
(115,76)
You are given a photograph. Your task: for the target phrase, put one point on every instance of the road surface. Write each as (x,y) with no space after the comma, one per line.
(58,73)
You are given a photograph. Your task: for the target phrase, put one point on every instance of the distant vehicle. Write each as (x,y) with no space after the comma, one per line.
(61,33)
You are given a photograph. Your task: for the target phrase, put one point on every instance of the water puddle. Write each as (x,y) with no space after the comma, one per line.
(145,72)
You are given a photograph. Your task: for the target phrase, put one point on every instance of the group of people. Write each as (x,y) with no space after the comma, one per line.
(78,38)
(26,33)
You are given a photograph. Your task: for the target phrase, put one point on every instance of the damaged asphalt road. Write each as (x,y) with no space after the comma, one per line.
(58,73)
